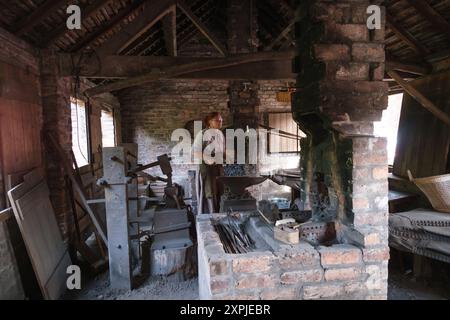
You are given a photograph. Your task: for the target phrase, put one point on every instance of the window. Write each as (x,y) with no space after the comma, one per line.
(288,139)
(79,131)
(388,126)
(108,132)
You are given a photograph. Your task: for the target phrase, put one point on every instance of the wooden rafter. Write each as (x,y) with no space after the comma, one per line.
(87,12)
(177,70)
(407,67)
(201,27)
(406,37)
(37,16)
(108,26)
(152,13)
(432,16)
(169,23)
(282,35)
(419,97)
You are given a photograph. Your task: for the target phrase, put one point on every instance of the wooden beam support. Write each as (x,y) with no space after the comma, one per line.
(432,16)
(424,101)
(169,23)
(108,26)
(201,27)
(37,16)
(407,67)
(152,13)
(178,70)
(87,12)
(406,37)
(120,67)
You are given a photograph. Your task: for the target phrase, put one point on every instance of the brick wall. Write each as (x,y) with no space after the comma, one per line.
(287,272)
(150,113)
(340,68)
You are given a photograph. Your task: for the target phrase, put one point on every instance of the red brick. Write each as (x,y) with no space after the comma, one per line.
(219,285)
(376,254)
(380,173)
(301,276)
(353,71)
(368,52)
(219,267)
(255,281)
(342,274)
(329,52)
(322,291)
(252,264)
(371,219)
(339,255)
(279,294)
(360,203)
(352,32)
(305,258)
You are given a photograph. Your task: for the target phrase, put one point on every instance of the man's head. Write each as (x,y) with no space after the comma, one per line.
(214,120)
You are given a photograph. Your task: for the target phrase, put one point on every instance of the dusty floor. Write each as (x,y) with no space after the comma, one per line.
(154,288)
(401,287)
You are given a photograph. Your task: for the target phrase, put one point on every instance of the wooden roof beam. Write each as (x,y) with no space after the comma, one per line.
(87,12)
(432,16)
(406,37)
(169,23)
(152,13)
(109,25)
(202,27)
(42,12)
(190,67)
(419,97)
(407,67)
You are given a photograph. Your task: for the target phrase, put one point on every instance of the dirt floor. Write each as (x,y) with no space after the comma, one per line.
(401,287)
(154,288)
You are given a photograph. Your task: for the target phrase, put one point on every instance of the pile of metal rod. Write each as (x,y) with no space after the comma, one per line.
(233,236)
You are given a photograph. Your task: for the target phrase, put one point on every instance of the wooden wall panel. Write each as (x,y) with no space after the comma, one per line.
(423,140)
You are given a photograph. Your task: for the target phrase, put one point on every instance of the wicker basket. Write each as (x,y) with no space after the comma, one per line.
(436,189)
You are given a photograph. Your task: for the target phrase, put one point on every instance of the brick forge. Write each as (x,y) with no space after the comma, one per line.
(340,66)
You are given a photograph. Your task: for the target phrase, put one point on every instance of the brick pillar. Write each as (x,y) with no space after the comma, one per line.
(340,67)
(57,120)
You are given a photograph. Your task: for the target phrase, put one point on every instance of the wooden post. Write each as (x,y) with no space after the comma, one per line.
(115,168)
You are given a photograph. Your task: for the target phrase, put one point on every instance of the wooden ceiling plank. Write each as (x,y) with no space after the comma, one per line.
(27,23)
(201,27)
(432,16)
(405,36)
(151,14)
(109,25)
(419,97)
(87,12)
(169,23)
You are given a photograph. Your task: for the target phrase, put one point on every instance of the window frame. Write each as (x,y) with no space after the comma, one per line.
(267,123)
